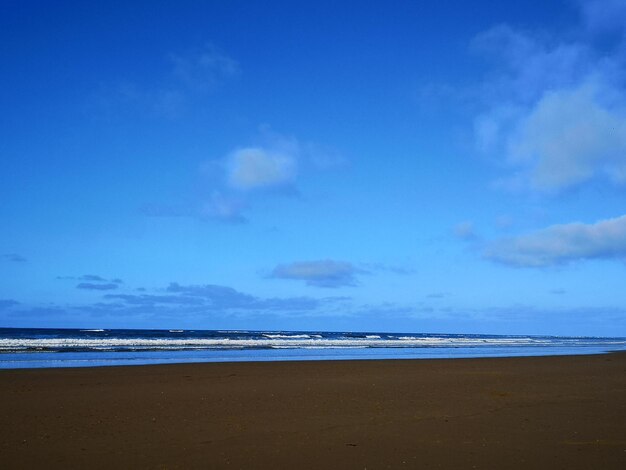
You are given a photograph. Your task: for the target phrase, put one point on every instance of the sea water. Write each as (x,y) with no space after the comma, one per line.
(36,348)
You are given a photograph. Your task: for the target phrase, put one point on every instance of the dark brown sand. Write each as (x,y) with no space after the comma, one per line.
(531,413)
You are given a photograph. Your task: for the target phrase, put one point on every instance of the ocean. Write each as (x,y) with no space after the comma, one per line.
(40,348)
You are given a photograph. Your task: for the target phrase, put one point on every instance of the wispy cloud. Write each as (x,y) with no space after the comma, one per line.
(437,295)
(247,173)
(14,258)
(151,299)
(94,286)
(40,312)
(224,207)
(91,277)
(259,168)
(570,137)
(203,69)
(221,207)
(5,304)
(323,273)
(186,77)
(465,231)
(93,282)
(384,267)
(214,298)
(232,183)
(562,244)
(217,296)
(604,15)
(555,110)
(166,210)
(229,308)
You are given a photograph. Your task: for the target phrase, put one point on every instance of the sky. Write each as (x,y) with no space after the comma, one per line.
(432,166)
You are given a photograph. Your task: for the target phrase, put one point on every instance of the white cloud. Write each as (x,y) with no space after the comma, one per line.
(190,76)
(556,113)
(525,66)
(604,15)
(259,168)
(323,273)
(234,182)
(562,244)
(248,170)
(569,137)
(465,231)
(224,208)
(277,162)
(504,222)
(203,69)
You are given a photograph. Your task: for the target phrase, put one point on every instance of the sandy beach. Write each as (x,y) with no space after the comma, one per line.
(539,412)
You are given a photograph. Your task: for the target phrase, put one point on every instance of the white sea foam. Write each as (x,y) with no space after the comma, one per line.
(95,331)
(278,336)
(269,341)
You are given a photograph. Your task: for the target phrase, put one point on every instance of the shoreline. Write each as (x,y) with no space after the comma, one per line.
(513,412)
(88,359)
(299,360)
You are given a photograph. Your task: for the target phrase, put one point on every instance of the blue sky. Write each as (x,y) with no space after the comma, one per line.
(415,166)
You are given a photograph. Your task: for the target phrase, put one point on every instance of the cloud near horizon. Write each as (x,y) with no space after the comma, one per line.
(215,298)
(93,282)
(150,299)
(8,303)
(94,286)
(14,258)
(562,244)
(91,277)
(322,273)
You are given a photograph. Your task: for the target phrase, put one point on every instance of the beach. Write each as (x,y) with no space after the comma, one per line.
(533,412)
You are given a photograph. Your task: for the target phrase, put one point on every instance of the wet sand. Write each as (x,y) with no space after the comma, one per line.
(544,412)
